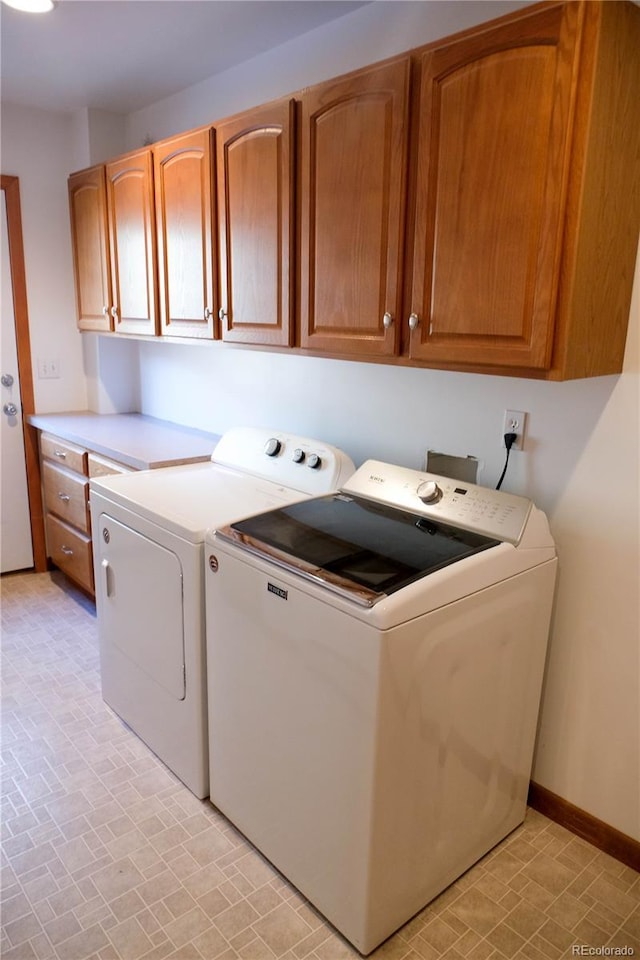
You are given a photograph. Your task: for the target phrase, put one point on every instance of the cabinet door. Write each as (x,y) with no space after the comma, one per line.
(354,146)
(256,221)
(493,153)
(184,215)
(132,243)
(88,210)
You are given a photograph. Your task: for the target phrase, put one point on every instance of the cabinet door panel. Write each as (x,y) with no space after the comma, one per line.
(184,212)
(354,141)
(88,210)
(493,156)
(132,243)
(256,220)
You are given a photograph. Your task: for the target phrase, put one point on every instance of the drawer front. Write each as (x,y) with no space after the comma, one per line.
(66,495)
(103,467)
(71,551)
(64,453)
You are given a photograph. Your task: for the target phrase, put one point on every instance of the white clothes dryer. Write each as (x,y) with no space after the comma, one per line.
(375,662)
(148,534)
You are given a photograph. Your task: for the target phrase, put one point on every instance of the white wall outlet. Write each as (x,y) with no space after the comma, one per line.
(48,369)
(515,421)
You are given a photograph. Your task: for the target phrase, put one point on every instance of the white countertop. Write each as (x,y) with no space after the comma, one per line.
(133,439)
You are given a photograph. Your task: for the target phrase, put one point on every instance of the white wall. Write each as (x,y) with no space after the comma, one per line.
(581,464)
(40,148)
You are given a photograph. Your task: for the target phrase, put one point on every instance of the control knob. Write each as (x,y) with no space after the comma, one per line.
(272,447)
(429,491)
(298,455)
(314,461)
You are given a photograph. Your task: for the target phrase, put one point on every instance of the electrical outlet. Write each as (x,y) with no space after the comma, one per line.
(48,369)
(515,421)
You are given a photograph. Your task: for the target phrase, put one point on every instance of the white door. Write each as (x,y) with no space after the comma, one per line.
(16,550)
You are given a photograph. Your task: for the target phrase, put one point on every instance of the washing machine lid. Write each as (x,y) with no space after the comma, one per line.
(357,548)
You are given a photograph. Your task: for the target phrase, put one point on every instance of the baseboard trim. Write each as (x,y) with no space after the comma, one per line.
(600,834)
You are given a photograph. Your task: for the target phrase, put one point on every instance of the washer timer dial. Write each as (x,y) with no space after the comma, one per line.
(429,492)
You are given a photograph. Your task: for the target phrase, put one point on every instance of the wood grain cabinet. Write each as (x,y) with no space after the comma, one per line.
(132,243)
(65,488)
(113,242)
(472,205)
(66,469)
(183,170)
(90,248)
(527,198)
(256,223)
(354,141)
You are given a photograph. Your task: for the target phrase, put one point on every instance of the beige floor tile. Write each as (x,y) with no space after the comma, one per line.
(108,857)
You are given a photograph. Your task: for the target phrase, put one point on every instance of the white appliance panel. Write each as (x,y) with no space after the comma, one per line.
(374,754)
(137,573)
(150,594)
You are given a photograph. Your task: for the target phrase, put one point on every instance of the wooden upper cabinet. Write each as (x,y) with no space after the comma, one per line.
(186,252)
(493,152)
(256,221)
(132,243)
(354,134)
(88,209)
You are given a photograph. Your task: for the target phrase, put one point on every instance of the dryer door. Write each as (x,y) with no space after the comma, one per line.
(140,588)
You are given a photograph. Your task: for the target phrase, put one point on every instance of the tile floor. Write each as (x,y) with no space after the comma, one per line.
(105,855)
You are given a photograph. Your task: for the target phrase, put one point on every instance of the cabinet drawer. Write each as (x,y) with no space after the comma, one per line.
(103,467)
(66,495)
(71,551)
(62,452)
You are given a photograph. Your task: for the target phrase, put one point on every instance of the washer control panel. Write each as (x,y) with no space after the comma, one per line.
(466,505)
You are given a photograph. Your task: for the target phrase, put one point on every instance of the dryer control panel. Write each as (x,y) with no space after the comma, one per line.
(490,512)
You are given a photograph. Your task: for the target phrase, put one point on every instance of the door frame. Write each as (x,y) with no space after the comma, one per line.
(11,187)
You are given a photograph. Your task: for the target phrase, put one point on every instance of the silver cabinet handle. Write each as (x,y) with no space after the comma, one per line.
(64,497)
(10,409)
(60,453)
(105,311)
(414,320)
(67,550)
(208,313)
(222,313)
(114,312)
(387,320)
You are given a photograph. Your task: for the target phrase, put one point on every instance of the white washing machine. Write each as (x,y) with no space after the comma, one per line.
(375,661)
(148,534)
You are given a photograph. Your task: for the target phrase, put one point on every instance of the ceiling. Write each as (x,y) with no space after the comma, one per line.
(122,55)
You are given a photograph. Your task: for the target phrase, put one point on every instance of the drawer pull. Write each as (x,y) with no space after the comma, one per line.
(64,496)
(60,453)
(68,552)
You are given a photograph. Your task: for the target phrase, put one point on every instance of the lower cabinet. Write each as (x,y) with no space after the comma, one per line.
(66,469)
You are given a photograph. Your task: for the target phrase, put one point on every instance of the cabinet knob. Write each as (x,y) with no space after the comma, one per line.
(114,312)
(208,313)
(414,320)
(222,314)
(387,320)
(105,311)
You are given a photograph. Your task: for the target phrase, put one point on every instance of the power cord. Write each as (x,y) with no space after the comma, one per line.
(509,440)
